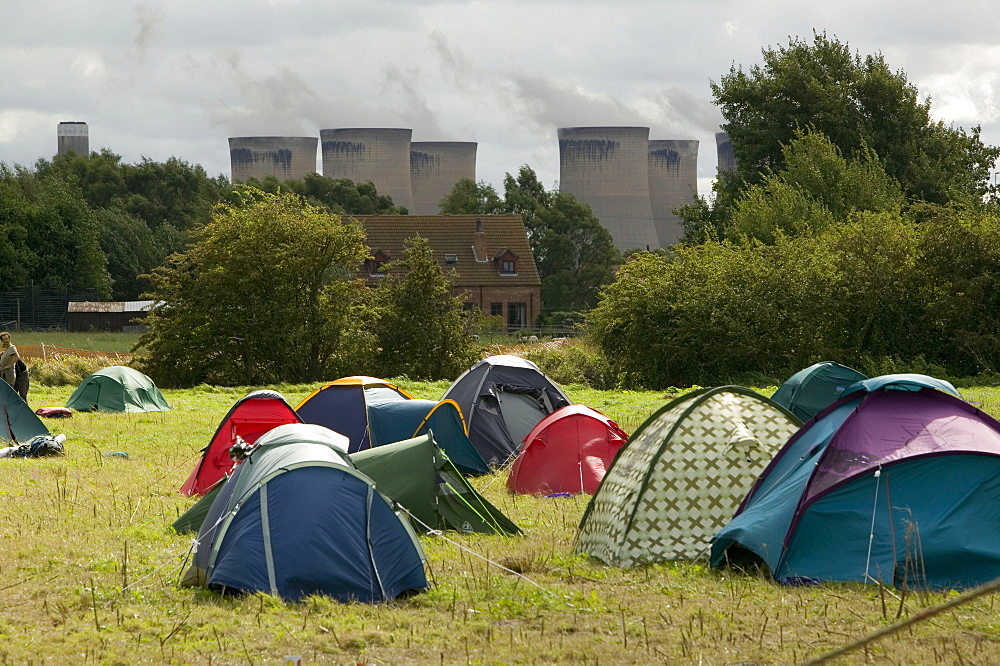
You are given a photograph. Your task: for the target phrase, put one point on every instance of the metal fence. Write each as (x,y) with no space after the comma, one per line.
(34,308)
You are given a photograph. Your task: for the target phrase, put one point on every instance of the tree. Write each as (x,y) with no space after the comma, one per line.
(468,197)
(422,330)
(859,103)
(265,293)
(815,189)
(338,195)
(132,250)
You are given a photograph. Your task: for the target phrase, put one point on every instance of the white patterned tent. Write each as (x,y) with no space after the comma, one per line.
(681,476)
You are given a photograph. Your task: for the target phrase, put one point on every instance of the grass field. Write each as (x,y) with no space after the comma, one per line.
(90,575)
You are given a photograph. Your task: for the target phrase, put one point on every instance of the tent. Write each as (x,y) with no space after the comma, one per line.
(418,476)
(297,519)
(898,481)
(681,476)
(503,397)
(808,391)
(19,423)
(568,451)
(251,416)
(342,406)
(372,412)
(117,389)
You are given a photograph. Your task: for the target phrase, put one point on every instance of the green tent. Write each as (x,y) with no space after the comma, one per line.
(809,391)
(418,476)
(415,474)
(682,475)
(117,389)
(17,422)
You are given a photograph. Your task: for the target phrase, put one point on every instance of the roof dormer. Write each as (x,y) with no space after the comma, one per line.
(506,262)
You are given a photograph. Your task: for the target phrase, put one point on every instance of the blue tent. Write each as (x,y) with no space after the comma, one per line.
(297,518)
(342,406)
(808,391)
(898,481)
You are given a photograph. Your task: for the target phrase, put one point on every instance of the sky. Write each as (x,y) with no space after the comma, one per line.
(176,79)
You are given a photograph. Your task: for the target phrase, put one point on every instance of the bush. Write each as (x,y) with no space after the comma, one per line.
(577,362)
(68,370)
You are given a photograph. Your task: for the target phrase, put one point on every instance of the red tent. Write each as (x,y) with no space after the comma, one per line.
(567,452)
(251,416)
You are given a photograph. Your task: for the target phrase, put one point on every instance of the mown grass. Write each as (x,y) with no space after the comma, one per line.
(90,574)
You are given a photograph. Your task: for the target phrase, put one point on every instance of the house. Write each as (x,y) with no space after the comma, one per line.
(495,269)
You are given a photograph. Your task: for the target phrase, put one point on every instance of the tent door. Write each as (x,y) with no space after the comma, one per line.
(521,413)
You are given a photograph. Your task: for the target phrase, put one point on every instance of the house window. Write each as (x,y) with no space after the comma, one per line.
(508,266)
(451,259)
(496,309)
(517,315)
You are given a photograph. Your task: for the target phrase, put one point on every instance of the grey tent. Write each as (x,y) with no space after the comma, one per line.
(503,397)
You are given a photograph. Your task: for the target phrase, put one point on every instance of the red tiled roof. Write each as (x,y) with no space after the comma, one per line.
(457,235)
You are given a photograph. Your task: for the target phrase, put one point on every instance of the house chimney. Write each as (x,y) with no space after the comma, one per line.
(479,250)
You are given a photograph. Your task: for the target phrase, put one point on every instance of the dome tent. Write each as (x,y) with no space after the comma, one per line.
(681,476)
(503,397)
(19,423)
(252,416)
(568,451)
(117,389)
(296,519)
(342,406)
(898,480)
(808,391)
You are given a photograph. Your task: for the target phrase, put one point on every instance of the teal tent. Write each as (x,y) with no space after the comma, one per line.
(808,391)
(117,389)
(19,423)
(897,482)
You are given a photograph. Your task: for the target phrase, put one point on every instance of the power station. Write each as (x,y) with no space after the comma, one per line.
(284,157)
(673,182)
(608,168)
(377,155)
(73,137)
(724,147)
(435,167)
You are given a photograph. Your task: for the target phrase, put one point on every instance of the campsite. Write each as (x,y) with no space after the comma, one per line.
(92,573)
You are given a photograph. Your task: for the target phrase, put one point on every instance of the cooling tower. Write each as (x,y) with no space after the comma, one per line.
(435,167)
(73,136)
(673,182)
(727,159)
(284,157)
(379,155)
(608,168)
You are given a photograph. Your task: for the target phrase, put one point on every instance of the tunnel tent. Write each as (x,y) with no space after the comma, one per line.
(419,476)
(682,475)
(808,391)
(342,406)
(117,389)
(503,397)
(296,518)
(19,423)
(249,418)
(847,498)
(568,451)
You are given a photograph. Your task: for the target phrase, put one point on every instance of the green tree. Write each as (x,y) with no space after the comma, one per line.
(338,195)
(859,103)
(265,293)
(132,251)
(422,329)
(816,188)
(468,197)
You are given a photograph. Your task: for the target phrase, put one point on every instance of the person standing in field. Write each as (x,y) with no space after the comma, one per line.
(8,358)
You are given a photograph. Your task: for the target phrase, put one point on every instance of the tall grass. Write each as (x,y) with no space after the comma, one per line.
(90,575)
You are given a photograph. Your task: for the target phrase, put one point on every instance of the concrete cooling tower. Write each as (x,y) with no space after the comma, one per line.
(435,167)
(673,182)
(727,159)
(73,136)
(379,155)
(608,168)
(284,157)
